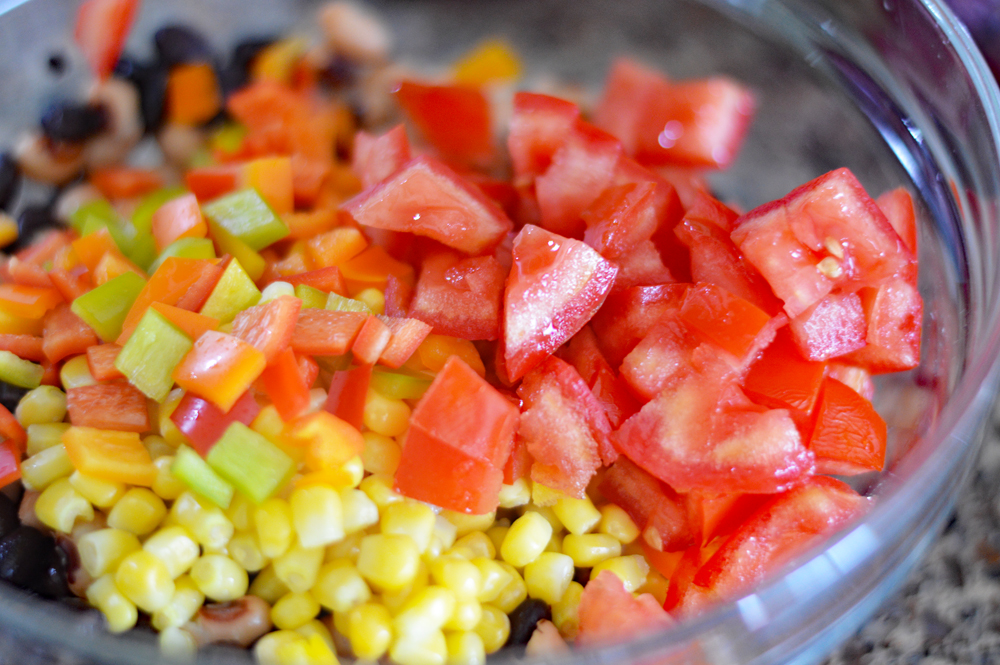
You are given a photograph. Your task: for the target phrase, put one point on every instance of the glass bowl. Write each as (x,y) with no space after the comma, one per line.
(894,90)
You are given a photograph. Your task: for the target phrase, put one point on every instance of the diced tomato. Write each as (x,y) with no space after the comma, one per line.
(628,316)
(427,198)
(117,405)
(623,107)
(23,273)
(722,514)
(681,580)
(12,431)
(371,342)
(584,354)
(460,436)
(101,29)
(609,613)
(519,463)
(29,347)
(614,396)
(555,286)
(728,320)
(10,463)
(321,332)
(125,182)
(782,379)
(71,283)
(849,436)
(101,361)
(65,334)
(856,378)
(285,385)
(454,119)
(669,521)
(538,126)
(308,367)
(203,423)
(269,327)
(833,326)
(643,266)
(397,297)
(897,204)
(664,353)
(460,297)
(894,312)
(563,426)
(375,158)
(625,215)
(346,397)
(309,175)
(407,336)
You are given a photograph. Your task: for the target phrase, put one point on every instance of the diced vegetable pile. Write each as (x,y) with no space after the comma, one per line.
(311,388)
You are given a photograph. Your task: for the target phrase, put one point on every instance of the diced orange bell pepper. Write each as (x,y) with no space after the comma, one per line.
(173,281)
(91,248)
(193,95)
(295,262)
(199,292)
(372,267)
(109,455)
(303,225)
(436,349)
(125,182)
(28,274)
(178,218)
(71,283)
(117,405)
(268,327)
(335,247)
(113,264)
(30,302)
(28,347)
(192,324)
(12,431)
(65,334)
(272,178)
(308,176)
(211,182)
(219,368)
(101,361)
(328,440)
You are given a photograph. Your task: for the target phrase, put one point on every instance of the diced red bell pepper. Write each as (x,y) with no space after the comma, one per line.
(101,361)
(30,302)
(346,397)
(460,297)
(101,29)
(555,286)
(730,321)
(65,334)
(897,204)
(125,182)
(12,431)
(372,340)
(460,436)
(782,379)
(627,316)
(210,182)
(375,158)
(117,405)
(856,378)
(309,175)
(178,218)
(833,326)
(722,514)
(563,426)
(29,347)
(538,126)
(285,385)
(203,423)
(10,463)
(322,332)
(269,327)
(849,436)
(71,283)
(22,273)
(308,367)
(427,198)
(328,280)
(609,613)
(454,119)
(407,336)
(894,312)
(219,368)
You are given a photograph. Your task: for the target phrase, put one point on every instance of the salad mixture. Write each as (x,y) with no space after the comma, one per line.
(310,388)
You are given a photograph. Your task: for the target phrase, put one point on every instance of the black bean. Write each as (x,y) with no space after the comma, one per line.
(51,581)
(32,220)
(8,516)
(237,71)
(151,81)
(524,618)
(10,180)
(24,555)
(339,73)
(11,395)
(181,44)
(70,122)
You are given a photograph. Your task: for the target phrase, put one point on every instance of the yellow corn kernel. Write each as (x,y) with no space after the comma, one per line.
(340,622)
(458,574)
(273,519)
(75,373)
(241,511)
(548,576)
(589,549)
(312,650)
(493,628)
(206,521)
(395,600)
(183,605)
(428,648)
(270,648)
(139,511)
(44,435)
(168,430)
(465,648)
(468,523)
(166,485)
(45,467)
(616,522)
(494,578)
(388,417)
(545,496)
(59,506)
(177,644)
(442,538)
(388,561)
(631,569)
(348,548)
(491,61)
(379,490)
(44,404)
(496,534)
(175,547)
(372,297)
(354,468)
(294,610)
(99,492)
(339,586)
(158,447)
(369,631)
(515,495)
(145,581)
(317,515)
(318,628)
(656,585)
(359,512)
(426,610)
(566,612)
(548,514)
(219,578)
(268,586)
(244,549)
(555,544)
(101,551)
(514,593)
(465,616)
(526,539)
(275,290)
(409,518)
(120,612)
(381,454)
(268,423)
(299,566)
(577,515)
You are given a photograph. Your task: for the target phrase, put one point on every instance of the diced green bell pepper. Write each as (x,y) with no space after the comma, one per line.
(233,293)
(311,297)
(97,213)
(250,462)
(228,138)
(104,308)
(143,244)
(400,385)
(150,355)
(339,303)
(185,248)
(248,217)
(19,372)
(195,472)
(251,261)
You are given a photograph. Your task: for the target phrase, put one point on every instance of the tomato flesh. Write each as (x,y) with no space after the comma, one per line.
(460,297)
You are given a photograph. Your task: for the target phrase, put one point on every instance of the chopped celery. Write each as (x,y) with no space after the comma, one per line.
(233,293)
(341,304)
(185,248)
(311,297)
(104,308)
(19,372)
(253,465)
(248,217)
(195,472)
(400,385)
(251,261)
(150,355)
